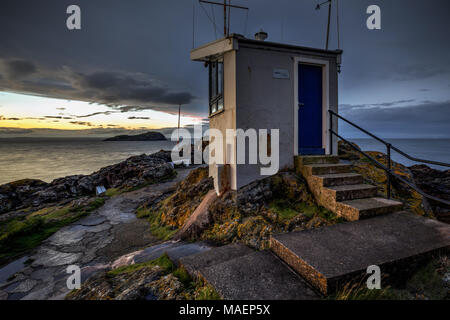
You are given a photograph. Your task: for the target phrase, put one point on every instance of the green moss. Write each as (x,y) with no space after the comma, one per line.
(283,210)
(207,292)
(23,234)
(164,262)
(112,192)
(156,227)
(184,277)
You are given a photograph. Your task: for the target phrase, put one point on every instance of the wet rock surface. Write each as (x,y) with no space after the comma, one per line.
(93,243)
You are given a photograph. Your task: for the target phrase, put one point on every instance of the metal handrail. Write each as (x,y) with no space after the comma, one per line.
(387,169)
(387,143)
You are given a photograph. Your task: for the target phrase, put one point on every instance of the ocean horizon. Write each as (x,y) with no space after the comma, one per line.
(51,158)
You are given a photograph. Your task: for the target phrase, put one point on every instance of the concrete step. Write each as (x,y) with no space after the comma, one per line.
(196,262)
(330,256)
(305,160)
(364,208)
(350,192)
(339,179)
(240,273)
(321,169)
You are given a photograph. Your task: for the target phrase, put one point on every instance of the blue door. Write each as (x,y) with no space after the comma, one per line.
(310,109)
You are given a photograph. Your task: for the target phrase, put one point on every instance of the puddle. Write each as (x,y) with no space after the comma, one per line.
(12,268)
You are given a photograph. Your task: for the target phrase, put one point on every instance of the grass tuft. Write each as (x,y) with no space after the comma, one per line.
(164,262)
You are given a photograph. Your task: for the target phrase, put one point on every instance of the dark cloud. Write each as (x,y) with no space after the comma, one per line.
(139,118)
(16,69)
(13,131)
(95,114)
(426,120)
(120,88)
(122,91)
(422,71)
(82,123)
(53,117)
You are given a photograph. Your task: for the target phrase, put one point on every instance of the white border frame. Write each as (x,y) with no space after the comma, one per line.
(325,99)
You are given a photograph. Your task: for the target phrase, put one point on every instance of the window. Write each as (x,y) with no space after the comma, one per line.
(215,86)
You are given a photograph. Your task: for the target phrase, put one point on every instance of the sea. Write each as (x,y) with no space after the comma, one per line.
(50,158)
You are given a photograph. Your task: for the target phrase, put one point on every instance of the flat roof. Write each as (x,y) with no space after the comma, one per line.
(233,42)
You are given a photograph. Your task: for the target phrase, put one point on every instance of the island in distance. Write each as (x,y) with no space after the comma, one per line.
(148,136)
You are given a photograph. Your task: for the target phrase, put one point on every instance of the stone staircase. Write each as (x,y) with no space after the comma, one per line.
(311,263)
(339,190)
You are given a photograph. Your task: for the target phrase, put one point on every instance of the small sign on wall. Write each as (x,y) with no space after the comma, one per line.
(280,74)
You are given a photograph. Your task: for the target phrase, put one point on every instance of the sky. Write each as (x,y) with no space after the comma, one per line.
(128,68)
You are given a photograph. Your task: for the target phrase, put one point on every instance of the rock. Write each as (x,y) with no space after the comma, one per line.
(435,183)
(179,206)
(134,172)
(376,176)
(166,288)
(255,232)
(3,295)
(24,286)
(51,258)
(148,136)
(316,222)
(135,285)
(199,220)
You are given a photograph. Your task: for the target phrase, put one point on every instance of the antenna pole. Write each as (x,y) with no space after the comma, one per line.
(225,18)
(179,115)
(225,7)
(328,26)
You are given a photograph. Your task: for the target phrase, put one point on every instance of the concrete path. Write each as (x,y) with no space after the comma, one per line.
(93,243)
(240,273)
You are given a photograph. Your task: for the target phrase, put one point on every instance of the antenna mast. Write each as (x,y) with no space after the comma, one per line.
(329,18)
(226,29)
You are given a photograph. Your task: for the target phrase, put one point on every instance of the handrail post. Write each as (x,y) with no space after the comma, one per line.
(388,189)
(330,132)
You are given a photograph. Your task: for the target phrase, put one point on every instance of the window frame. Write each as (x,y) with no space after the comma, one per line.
(218,100)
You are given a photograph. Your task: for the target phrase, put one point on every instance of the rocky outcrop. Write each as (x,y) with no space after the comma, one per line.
(139,285)
(275,204)
(431,181)
(131,173)
(148,136)
(376,176)
(435,183)
(178,207)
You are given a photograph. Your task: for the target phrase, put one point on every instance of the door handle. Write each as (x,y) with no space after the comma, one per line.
(301,104)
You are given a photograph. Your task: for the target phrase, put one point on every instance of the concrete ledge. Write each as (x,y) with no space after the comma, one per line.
(257,276)
(327,255)
(194,263)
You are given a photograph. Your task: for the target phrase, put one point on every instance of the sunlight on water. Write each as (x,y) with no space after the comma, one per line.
(428,149)
(48,159)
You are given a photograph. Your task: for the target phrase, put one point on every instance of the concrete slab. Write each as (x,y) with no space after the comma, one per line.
(364,208)
(327,255)
(351,192)
(257,276)
(195,262)
(340,179)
